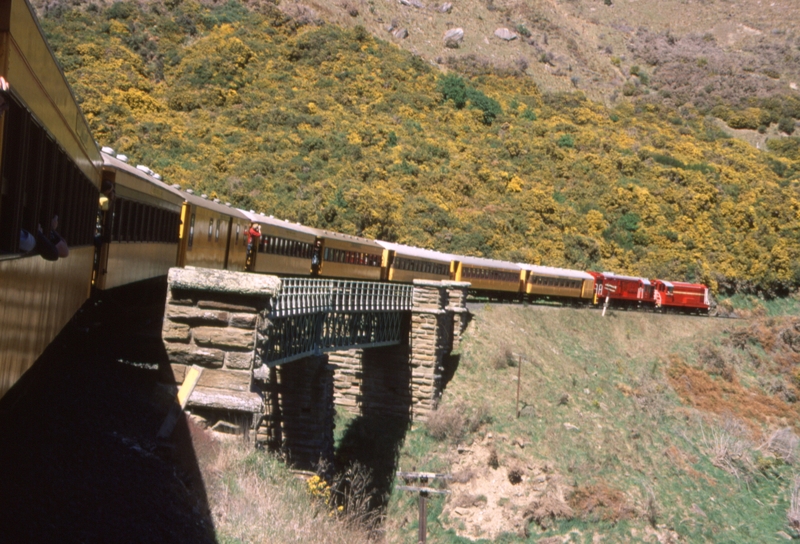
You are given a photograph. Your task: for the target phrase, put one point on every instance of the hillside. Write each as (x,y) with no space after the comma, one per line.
(336,129)
(634,427)
(709,53)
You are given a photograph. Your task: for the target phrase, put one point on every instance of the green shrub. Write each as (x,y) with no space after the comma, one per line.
(453,88)
(489,106)
(566,140)
(666,160)
(786,125)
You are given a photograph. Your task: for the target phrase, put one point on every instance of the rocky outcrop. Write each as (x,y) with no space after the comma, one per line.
(453,38)
(505,34)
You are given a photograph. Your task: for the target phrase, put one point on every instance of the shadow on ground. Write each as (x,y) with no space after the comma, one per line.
(372,441)
(79,460)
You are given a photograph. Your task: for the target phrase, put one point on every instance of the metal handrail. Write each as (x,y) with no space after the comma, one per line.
(340,313)
(299,296)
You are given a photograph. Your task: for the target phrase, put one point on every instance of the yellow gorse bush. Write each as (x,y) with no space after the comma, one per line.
(337,129)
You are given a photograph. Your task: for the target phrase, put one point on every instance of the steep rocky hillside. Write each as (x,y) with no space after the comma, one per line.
(707,52)
(279,112)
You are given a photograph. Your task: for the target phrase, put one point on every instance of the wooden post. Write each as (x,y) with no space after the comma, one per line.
(423,517)
(519,380)
(175,410)
(423,478)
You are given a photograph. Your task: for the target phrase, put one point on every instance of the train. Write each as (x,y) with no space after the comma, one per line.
(125,224)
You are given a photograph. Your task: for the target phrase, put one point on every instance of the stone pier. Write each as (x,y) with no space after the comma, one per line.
(405,379)
(217,320)
(298,415)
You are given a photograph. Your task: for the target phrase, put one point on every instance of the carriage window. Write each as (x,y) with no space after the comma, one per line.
(210,228)
(191,231)
(216,236)
(237,233)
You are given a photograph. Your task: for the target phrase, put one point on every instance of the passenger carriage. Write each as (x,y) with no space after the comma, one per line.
(346,256)
(210,235)
(284,247)
(139,229)
(489,277)
(559,284)
(49,165)
(405,264)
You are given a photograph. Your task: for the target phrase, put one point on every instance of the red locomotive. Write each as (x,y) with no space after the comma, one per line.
(622,290)
(680,296)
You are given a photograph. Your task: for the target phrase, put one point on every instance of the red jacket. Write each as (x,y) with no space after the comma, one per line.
(253,235)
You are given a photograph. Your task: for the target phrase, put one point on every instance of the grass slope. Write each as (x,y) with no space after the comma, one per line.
(634,427)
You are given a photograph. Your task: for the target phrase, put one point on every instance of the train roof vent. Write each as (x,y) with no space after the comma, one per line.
(123,158)
(227,203)
(107,150)
(262,214)
(272,217)
(190,191)
(144,169)
(176,186)
(204,196)
(252,211)
(157,176)
(217,200)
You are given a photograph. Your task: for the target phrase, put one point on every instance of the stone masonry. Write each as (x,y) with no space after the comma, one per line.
(210,321)
(457,308)
(298,418)
(405,379)
(216,319)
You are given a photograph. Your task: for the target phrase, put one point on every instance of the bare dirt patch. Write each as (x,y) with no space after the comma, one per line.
(502,499)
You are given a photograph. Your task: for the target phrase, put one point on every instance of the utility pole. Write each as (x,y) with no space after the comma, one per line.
(424,491)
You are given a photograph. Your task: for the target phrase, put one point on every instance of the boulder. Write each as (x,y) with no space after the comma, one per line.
(413,3)
(505,34)
(453,37)
(400,33)
(447,7)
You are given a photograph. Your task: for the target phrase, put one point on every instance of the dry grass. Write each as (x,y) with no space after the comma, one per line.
(454,422)
(793,515)
(783,445)
(601,501)
(255,499)
(591,46)
(552,505)
(700,390)
(729,448)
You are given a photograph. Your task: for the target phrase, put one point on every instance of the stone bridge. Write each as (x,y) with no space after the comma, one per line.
(278,354)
